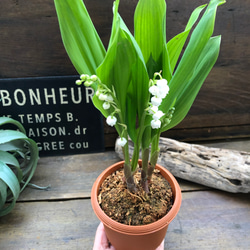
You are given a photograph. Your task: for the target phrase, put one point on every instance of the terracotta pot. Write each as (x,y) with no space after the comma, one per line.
(146,237)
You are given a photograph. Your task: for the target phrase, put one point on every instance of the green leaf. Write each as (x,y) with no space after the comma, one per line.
(13,146)
(10,135)
(32,159)
(9,159)
(80,38)
(115,71)
(204,65)
(18,161)
(3,194)
(29,149)
(150,33)
(137,98)
(124,70)
(187,65)
(175,45)
(166,66)
(138,89)
(7,120)
(123,26)
(9,178)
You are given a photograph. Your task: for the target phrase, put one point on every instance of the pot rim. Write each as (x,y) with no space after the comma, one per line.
(140,229)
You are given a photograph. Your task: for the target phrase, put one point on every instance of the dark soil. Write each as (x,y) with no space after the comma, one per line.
(135,208)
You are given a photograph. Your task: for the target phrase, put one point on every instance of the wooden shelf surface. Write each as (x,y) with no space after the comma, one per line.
(62,218)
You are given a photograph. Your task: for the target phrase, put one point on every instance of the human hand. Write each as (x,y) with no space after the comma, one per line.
(101,240)
(102,243)
(161,247)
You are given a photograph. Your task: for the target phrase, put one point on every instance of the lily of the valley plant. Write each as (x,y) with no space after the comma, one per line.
(139,86)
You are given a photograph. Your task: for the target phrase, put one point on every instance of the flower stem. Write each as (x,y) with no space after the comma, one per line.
(154,155)
(144,171)
(127,167)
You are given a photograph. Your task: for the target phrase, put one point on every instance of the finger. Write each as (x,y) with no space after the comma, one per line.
(161,247)
(101,241)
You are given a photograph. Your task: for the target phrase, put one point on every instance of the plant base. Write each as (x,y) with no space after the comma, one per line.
(138,208)
(124,237)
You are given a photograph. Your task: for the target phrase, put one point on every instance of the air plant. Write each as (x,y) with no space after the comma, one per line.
(18,161)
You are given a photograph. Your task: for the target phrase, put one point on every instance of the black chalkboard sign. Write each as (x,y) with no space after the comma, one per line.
(56,113)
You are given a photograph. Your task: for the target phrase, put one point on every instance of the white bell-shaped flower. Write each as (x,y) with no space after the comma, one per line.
(106,105)
(111,120)
(102,97)
(109,98)
(121,141)
(154,90)
(153,110)
(155,124)
(162,83)
(156,101)
(157,115)
(163,88)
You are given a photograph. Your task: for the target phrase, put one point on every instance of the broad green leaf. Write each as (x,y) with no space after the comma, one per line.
(150,32)
(175,45)
(14,146)
(18,161)
(80,38)
(138,89)
(116,23)
(3,194)
(10,135)
(197,43)
(115,71)
(9,159)
(124,70)
(204,65)
(7,120)
(166,66)
(137,98)
(131,37)
(9,178)
(31,153)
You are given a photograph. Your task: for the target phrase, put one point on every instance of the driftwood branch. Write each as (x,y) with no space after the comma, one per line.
(228,170)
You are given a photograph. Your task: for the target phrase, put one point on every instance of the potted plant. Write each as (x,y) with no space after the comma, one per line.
(143,88)
(18,162)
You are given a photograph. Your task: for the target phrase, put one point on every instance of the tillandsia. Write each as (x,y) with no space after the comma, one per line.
(138,85)
(18,162)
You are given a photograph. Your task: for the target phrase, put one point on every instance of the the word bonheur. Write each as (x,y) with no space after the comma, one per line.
(46,96)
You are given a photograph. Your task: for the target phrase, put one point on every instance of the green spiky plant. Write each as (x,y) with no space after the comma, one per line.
(139,87)
(18,161)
